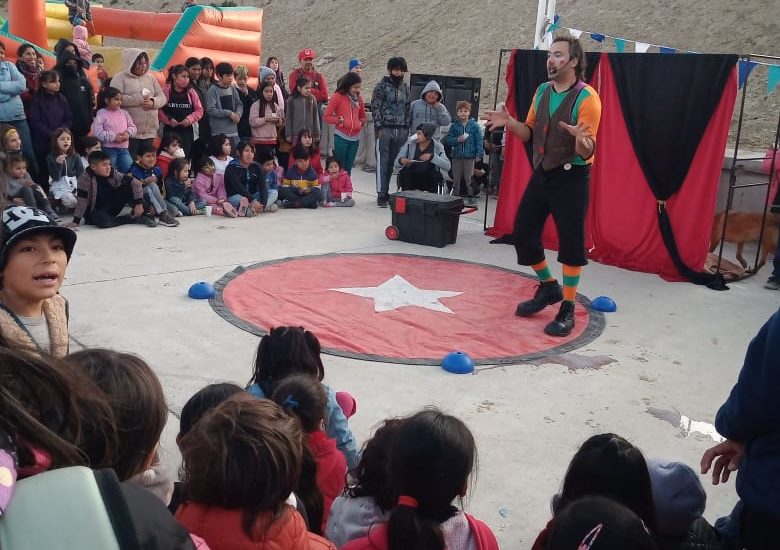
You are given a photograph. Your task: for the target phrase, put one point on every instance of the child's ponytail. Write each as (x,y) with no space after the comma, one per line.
(431,459)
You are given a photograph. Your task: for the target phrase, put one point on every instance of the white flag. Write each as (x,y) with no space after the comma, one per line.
(575,33)
(641,47)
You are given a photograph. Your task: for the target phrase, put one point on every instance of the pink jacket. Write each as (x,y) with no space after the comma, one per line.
(208,189)
(197,106)
(354,114)
(80,36)
(263,131)
(342,183)
(108,124)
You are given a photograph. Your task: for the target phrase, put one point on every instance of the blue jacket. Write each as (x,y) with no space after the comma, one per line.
(337,427)
(472,148)
(751,414)
(12,84)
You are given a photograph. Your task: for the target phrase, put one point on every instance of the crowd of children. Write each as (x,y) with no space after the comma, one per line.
(205,110)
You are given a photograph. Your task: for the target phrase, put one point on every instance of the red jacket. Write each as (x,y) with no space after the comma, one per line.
(342,183)
(331,470)
(354,114)
(377,537)
(222,529)
(319,88)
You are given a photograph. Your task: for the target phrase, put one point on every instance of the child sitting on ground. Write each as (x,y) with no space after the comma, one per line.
(244,182)
(210,187)
(369,498)
(336,184)
(33,258)
(304,397)
(87,145)
(300,186)
(140,413)
(102,193)
(20,188)
(64,167)
(179,192)
(241,462)
(170,148)
(267,163)
(431,460)
(145,169)
(114,127)
(285,351)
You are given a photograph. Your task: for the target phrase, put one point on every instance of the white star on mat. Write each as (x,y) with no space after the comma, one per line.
(397,292)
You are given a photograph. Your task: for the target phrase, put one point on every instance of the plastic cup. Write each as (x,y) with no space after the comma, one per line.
(208,210)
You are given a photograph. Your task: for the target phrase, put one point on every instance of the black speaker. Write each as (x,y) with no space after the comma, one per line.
(454,88)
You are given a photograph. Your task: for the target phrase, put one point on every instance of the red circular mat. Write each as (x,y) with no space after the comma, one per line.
(399,308)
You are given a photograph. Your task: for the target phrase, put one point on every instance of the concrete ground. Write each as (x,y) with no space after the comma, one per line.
(675,346)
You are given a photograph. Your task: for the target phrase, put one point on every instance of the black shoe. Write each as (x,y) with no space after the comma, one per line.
(381,201)
(547,294)
(563,323)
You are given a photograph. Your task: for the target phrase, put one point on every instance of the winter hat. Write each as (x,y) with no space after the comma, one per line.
(22,221)
(427,128)
(354,62)
(598,523)
(678,495)
(265,72)
(304,53)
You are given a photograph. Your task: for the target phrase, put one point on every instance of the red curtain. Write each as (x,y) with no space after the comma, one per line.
(622,226)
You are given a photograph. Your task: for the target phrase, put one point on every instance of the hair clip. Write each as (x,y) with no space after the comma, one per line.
(290,402)
(406,500)
(590,538)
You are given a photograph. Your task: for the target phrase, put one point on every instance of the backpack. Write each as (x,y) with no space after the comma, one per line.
(90,510)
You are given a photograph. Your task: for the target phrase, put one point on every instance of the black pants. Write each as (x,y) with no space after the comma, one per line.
(106,214)
(298,200)
(264,149)
(564,194)
(758,531)
(423,180)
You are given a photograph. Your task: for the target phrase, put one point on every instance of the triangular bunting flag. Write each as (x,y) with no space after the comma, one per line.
(745,68)
(664,49)
(641,47)
(575,33)
(620,45)
(597,37)
(774,78)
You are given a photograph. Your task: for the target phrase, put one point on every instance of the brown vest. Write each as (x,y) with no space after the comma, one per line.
(55,310)
(554,147)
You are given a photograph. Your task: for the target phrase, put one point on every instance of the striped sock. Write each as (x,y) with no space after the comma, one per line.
(571,278)
(542,271)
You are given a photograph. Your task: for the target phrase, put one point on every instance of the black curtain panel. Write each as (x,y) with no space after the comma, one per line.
(530,72)
(667,102)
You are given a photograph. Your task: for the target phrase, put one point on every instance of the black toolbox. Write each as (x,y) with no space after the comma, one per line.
(425,218)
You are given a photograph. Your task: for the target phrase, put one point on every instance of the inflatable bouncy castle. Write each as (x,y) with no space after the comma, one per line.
(223,34)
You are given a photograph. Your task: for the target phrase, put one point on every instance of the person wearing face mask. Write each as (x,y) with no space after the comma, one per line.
(562,121)
(390,108)
(142,97)
(75,86)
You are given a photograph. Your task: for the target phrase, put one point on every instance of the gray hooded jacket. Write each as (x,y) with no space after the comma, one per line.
(422,111)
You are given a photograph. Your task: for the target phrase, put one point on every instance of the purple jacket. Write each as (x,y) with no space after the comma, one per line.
(47,113)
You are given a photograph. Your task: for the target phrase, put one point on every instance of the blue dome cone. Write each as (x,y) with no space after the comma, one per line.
(603,303)
(458,362)
(202,291)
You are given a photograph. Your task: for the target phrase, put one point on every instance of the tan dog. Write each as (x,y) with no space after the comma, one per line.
(745,227)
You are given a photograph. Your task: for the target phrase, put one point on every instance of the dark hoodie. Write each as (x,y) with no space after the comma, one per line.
(76,88)
(245,181)
(390,104)
(751,414)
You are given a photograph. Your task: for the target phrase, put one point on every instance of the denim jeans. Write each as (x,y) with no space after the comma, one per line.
(120,158)
(273,196)
(235,200)
(153,197)
(184,207)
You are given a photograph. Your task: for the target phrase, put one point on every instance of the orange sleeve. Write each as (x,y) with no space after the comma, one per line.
(590,111)
(530,119)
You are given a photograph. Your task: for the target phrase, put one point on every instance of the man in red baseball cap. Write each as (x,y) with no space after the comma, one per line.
(319,89)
